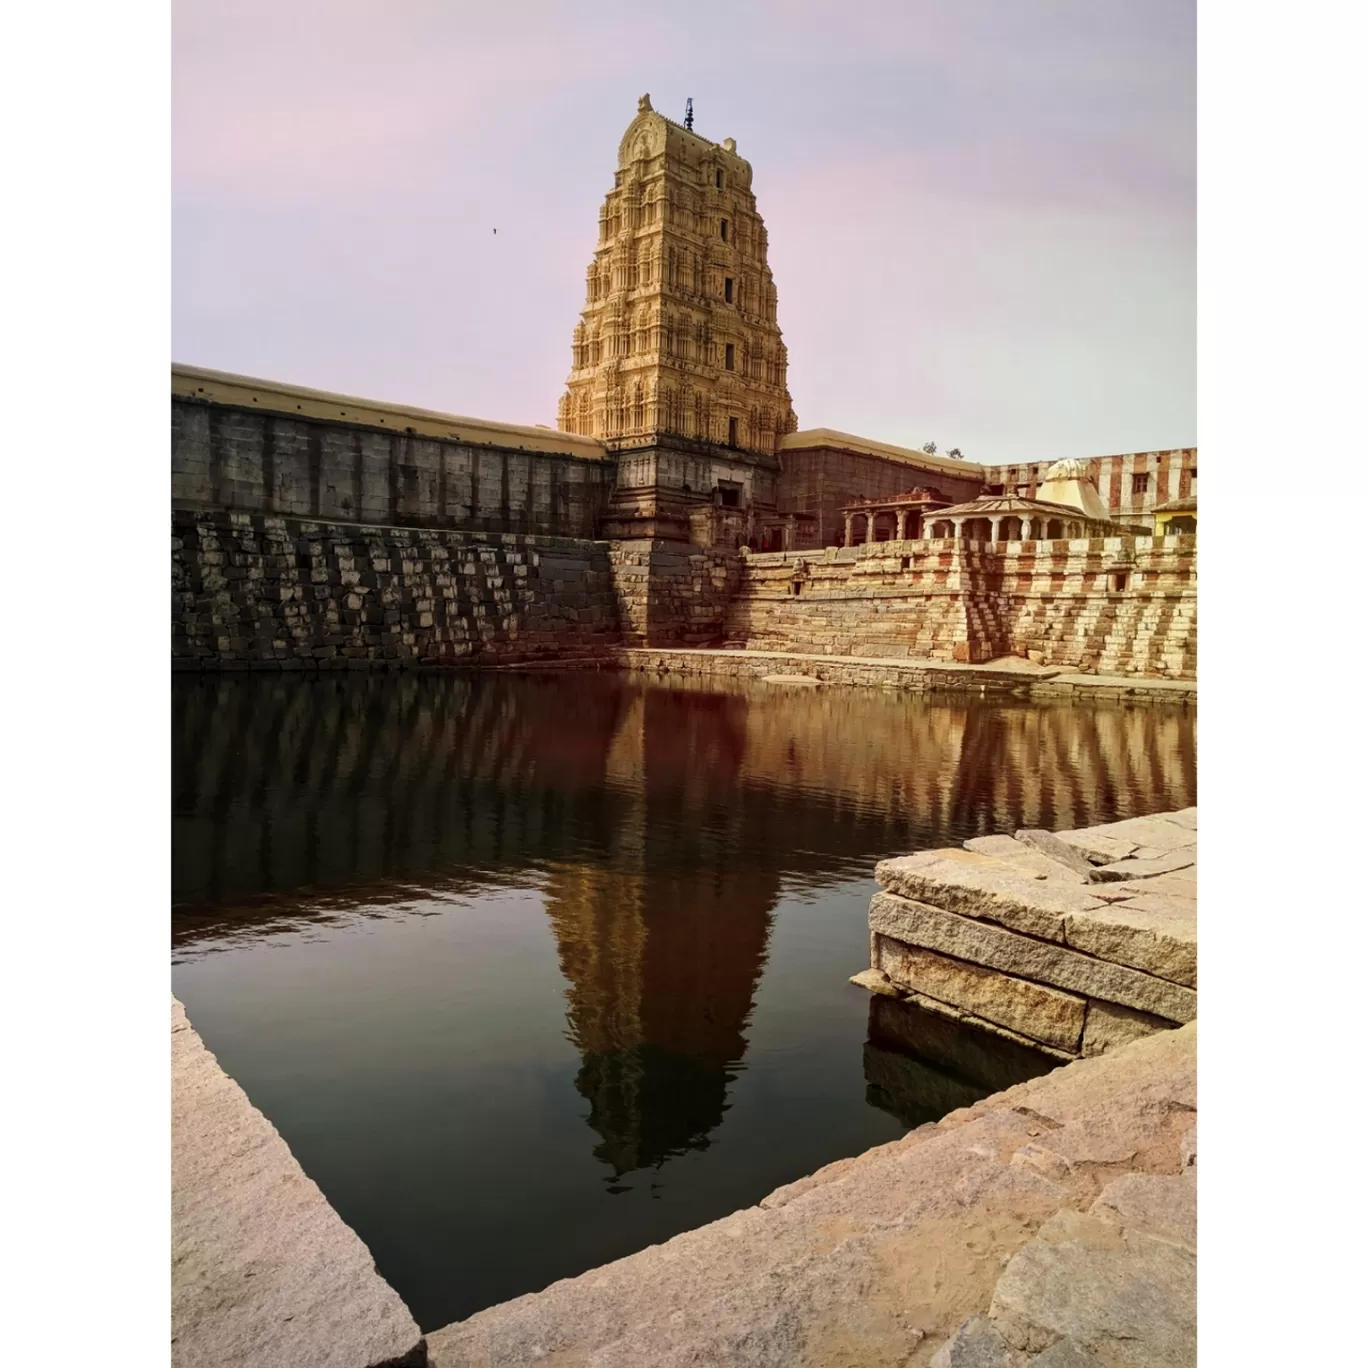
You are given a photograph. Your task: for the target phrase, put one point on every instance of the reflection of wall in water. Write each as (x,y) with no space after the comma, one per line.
(919,1066)
(293,784)
(921,769)
(357,786)
(664,947)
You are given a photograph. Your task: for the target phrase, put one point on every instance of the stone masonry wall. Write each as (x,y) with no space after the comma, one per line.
(671,593)
(1125,605)
(258,462)
(251,591)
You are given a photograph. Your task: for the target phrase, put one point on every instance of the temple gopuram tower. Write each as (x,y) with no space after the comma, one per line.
(678,362)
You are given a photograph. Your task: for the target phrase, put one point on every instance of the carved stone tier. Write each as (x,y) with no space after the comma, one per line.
(679,344)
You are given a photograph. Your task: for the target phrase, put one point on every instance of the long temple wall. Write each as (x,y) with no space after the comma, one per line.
(819,480)
(1125,605)
(251,591)
(226,456)
(293,511)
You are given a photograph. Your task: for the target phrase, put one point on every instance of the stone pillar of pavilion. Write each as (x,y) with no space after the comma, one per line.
(850,529)
(902,524)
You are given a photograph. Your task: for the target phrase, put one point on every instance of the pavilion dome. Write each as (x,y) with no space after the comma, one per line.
(1068,470)
(1070,484)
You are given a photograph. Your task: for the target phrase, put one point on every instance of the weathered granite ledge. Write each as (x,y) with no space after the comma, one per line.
(264,1273)
(1051,1224)
(1008,679)
(1074,942)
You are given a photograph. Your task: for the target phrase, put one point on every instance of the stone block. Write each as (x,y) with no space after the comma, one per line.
(984,887)
(1065,1353)
(977,1344)
(874,981)
(1099,849)
(1048,844)
(263,1271)
(1178,883)
(1187,1150)
(1027,860)
(964,938)
(1109,1026)
(1155,934)
(1157,832)
(1125,1297)
(1138,866)
(1161,1205)
(1041,1013)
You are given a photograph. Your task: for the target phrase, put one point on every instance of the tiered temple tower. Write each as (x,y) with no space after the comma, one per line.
(678,354)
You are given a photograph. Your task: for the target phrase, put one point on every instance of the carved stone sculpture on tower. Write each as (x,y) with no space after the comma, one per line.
(679,334)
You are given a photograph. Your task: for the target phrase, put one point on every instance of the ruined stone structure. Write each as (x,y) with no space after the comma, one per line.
(678,357)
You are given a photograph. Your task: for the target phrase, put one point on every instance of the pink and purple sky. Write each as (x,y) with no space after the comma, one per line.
(982,213)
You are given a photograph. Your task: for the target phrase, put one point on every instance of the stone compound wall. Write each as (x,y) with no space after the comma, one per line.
(1125,605)
(670,593)
(250,591)
(226,457)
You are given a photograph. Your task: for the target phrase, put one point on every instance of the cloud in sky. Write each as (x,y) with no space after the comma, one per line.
(981,212)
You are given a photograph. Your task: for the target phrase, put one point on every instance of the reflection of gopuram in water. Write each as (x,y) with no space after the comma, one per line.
(659,818)
(664,945)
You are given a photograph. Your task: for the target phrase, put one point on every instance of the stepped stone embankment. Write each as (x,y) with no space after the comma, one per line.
(1123,605)
(1072,942)
(1008,678)
(250,591)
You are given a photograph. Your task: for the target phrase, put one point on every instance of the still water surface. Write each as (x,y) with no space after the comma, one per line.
(534,971)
